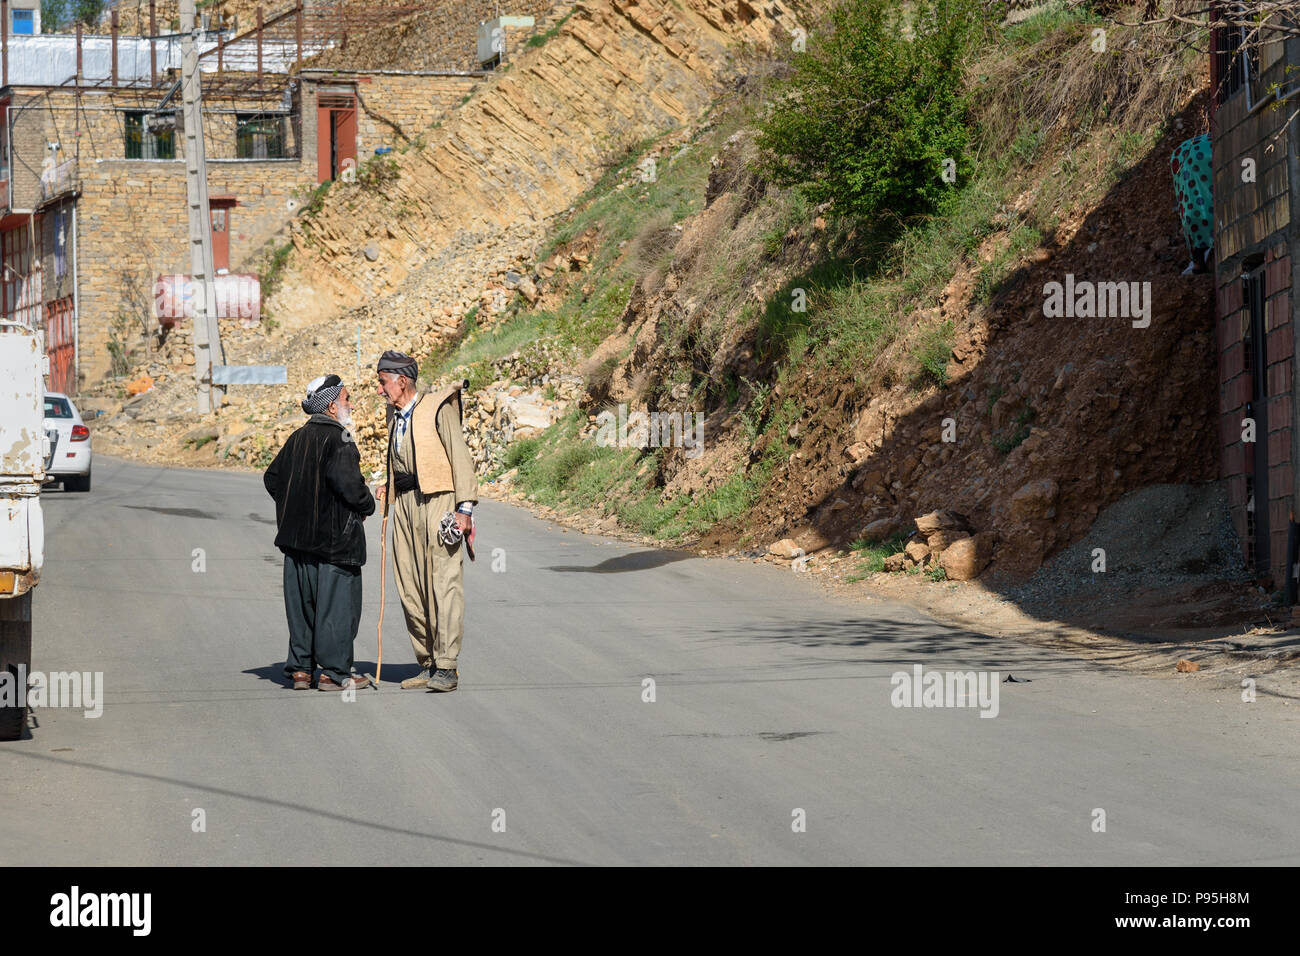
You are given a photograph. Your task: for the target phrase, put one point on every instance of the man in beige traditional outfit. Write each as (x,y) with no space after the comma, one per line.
(431,490)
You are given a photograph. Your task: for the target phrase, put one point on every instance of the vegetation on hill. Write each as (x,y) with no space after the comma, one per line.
(840,236)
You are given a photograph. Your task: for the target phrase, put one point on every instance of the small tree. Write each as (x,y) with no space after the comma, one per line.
(875,112)
(87,11)
(53,13)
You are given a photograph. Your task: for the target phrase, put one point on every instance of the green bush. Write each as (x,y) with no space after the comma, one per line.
(378,172)
(872,555)
(521,452)
(933,353)
(869,114)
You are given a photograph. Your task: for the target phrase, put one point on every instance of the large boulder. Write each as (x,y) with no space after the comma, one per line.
(965,559)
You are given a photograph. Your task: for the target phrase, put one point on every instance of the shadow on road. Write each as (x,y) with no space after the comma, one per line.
(893,641)
(286,805)
(393,673)
(636,561)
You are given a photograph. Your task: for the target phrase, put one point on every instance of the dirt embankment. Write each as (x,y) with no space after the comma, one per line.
(1044,420)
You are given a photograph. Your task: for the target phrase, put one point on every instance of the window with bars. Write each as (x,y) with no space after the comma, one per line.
(1236,59)
(20,289)
(259,135)
(150,135)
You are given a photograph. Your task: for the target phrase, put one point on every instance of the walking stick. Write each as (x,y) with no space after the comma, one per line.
(383,580)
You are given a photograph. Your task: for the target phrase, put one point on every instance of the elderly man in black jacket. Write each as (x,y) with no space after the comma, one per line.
(320,501)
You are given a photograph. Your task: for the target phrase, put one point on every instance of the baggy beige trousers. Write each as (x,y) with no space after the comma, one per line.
(430,578)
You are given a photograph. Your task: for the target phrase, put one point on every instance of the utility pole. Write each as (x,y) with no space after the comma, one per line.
(207,336)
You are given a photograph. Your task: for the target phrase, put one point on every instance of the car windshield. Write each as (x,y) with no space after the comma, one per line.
(57,408)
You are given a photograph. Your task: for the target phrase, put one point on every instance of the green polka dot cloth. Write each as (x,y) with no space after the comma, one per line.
(1191,168)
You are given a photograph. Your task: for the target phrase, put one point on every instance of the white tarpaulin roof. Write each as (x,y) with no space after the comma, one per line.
(51,59)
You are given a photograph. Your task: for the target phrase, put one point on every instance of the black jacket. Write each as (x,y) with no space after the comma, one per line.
(320,496)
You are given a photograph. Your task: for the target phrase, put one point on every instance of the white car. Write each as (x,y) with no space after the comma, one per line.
(69,455)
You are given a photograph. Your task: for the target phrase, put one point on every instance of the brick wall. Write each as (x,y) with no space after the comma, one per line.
(1247,213)
(133,227)
(132,219)
(1252,226)
(441,38)
(1279,357)
(391,108)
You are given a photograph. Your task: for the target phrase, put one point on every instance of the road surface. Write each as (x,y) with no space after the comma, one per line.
(771,738)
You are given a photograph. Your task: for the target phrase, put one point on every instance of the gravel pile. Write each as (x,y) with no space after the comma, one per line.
(1162,535)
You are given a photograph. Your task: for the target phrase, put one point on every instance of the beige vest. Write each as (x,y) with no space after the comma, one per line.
(432,466)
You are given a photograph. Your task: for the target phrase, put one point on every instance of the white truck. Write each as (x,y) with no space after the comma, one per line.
(24,454)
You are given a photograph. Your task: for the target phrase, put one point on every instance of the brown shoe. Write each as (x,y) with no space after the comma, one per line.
(301,680)
(355,682)
(419,680)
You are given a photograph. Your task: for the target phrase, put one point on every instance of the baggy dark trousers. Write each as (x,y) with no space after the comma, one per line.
(322,602)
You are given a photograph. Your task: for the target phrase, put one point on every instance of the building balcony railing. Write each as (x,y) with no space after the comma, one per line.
(57,179)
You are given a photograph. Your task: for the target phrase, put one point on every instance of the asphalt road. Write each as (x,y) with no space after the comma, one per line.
(769,699)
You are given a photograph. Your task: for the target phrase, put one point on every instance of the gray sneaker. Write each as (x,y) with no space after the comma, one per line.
(419,680)
(443,680)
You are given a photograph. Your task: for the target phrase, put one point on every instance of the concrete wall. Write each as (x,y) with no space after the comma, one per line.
(1253,229)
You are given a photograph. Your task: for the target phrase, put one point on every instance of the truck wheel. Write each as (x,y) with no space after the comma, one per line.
(15,650)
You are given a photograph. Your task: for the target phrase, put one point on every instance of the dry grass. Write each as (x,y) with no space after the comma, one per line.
(1061,86)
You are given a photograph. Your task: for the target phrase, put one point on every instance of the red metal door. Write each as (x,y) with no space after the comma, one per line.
(336,134)
(324,144)
(345,140)
(61,345)
(220,211)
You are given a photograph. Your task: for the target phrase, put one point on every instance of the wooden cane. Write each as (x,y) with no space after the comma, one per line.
(383,580)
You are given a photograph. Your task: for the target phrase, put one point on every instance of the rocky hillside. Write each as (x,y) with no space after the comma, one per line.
(947,390)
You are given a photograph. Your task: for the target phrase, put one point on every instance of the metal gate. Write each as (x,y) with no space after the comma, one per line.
(61,345)
(20,290)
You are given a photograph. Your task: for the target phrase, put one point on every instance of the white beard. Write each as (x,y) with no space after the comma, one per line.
(345,419)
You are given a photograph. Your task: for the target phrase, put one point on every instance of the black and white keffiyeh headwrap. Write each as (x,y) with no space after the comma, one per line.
(321,394)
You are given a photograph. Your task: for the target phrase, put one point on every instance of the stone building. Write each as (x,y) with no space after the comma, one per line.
(92,175)
(1255,149)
